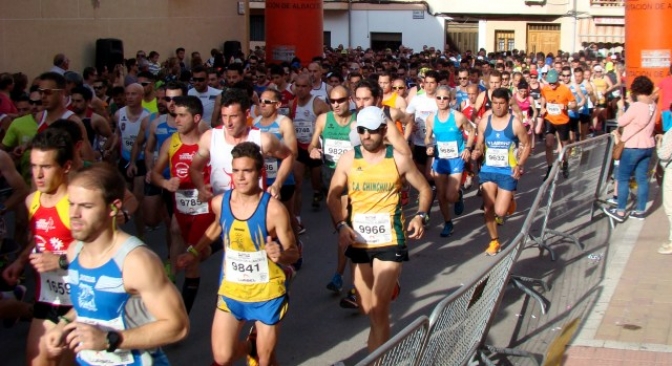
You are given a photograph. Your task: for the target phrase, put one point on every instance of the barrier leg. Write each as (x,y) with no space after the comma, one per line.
(567,236)
(541,243)
(509,352)
(519,283)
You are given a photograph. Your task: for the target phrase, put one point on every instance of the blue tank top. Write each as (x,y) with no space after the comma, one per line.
(500,149)
(163,132)
(460,96)
(573,113)
(271,164)
(99,297)
(449,137)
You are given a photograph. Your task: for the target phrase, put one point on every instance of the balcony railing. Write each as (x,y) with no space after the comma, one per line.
(607,2)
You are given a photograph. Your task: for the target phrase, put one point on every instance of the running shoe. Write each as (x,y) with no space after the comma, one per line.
(613,201)
(336,283)
(397,291)
(350,301)
(512,207)
(458,207)
(613,213)
(252,357)
(167,268)
(448,229)
(299,262)
(493,248)
(404,196)
(565,169)
(317,198)
(467,182)
(19,295)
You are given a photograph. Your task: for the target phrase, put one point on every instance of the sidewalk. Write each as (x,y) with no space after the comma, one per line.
(631,322)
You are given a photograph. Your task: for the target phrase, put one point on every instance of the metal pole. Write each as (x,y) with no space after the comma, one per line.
(349,23)
(574,15)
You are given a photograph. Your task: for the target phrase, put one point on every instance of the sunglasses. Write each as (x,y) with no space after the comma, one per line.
(339,100)
(398,87)
(362,130)
(98,87)
(442,97)
(35,102)
(198,80)
(566,75)
(544,73)
(145,83)
(47,91)
(169,99)
(462,78)
(267,102)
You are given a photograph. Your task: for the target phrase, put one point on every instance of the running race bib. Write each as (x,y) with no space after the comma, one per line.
(129,141)
(186,201)
(246,267)
(447,150)
(104,358)
(372,228)
(271,166)
(554,109)
(333,149)
(304,131)
(54,288)
(497,157)
(537,104)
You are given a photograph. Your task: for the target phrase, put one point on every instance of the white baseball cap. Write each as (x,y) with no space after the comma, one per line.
(371,118)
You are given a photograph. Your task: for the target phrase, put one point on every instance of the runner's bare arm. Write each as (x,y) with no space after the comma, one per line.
(19,187)
(278,218)
(271,146)
(338,185)
(315,140)
(150,145)
(200,160)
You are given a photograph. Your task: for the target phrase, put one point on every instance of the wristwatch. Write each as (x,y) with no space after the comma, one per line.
(113,341)
(63,262)
(424,216)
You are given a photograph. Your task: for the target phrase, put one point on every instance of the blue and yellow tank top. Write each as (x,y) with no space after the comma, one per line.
(248,275)
(500,149)
(449,137)
(163,132)
(374,191)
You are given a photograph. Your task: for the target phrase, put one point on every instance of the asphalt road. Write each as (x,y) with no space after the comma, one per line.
(316,331)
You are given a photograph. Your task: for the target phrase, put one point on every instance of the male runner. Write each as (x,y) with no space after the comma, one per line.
(207,94)
(372,234)
(304,111)
(420,107)
(497,140)
(124,307)
(51,158)
(192,215)
(556,100)
(97,127)
(258,243)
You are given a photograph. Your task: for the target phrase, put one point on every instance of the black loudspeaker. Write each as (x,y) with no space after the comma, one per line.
(231,49)
(109,52)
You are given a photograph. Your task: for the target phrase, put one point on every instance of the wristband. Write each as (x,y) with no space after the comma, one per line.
(63,262)
(469,148)
(193,251)
(340,225)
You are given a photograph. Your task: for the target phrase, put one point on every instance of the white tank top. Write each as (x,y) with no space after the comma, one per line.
(129,132)
(304,122)
(221,159)
(320,92)
(43,120)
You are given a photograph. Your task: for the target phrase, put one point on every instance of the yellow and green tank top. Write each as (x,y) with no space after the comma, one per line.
(374,191)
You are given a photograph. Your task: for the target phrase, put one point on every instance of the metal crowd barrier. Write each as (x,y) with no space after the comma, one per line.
(459,324)
(402,349)
(567,197)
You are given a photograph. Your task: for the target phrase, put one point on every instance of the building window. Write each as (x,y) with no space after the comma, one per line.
(381,41)
(327,38)
(504,40)
(257,28)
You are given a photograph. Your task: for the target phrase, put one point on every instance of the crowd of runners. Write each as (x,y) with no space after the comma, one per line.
(218,151)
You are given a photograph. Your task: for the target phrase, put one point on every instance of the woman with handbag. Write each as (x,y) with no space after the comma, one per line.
(638,123)
(664,151)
